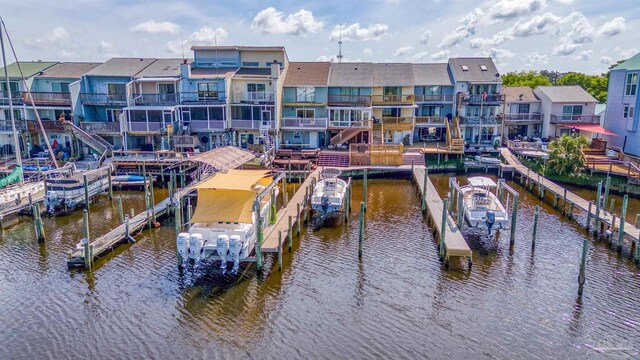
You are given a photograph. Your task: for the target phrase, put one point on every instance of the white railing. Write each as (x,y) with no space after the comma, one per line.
(257,96)
(294,122)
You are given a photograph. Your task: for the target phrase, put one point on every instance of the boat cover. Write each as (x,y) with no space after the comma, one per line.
(479,181)
(12,178)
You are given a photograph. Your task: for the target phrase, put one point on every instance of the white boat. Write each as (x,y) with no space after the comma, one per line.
(487,160)
(67,192)
(328,198)
(224,224)
(482,209)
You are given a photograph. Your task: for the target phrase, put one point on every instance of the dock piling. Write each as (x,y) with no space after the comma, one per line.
(583,262)
(564,202)
(298,218)
(85,234)
(623,216)
(38,223)
(612,205)
(536,214)
(365,180)
(152,198)
(110,185)
(178,215)
(443,229)
(637,220)
(120,211)
(607,186)
(361,230)
(570,214)
(424,190)
(86,191)
(514,215)
(290,233)
(589,216)
(555,201)
(596,225)
(280,250)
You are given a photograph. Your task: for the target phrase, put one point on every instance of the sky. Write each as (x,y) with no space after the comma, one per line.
(560,35)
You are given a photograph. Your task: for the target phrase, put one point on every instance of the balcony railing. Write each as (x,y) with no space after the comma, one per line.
(252,124)
(305,123)
(156,99)
(349,100)
(103,99)
(16,97)
(392,99)
(478,99)
(144,126)
(255,97)
(207,125)
(305,100)
(203,97)
(5,125)
(48,125)
(47,98)
(99,127)
(430,120)
(523,117)
(479,120)
(350,124)
(397,123)
(435,98)
(575,119)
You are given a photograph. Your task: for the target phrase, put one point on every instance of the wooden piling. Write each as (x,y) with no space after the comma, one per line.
(298,218)
(424,190)
(365,181)
(583,262)
(570,213)
(588,225)
(120,211)
(514,215)
(152,199)
(259,237)
(612,205)
(110,185)
(39,225)
(290,232)
(178,215)
(623,217)
(607,186)
(596,225)
(564,202)
(443,229)
(86,191)
(280,250)
(637,220)
(555,201)
(85,234)
(460,209)
(361,230)
(536,214)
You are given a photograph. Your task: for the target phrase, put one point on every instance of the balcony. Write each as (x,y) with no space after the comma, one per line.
(253,124)
(203,98)
(101,128)
(522,118)
(491,99)
(349,100)
(430,120)
(366,124)
(479,120)
(48,125)
(156,99)
(5,126)
(206,125)
(255,97)
(433,98)
(47,98)
(304,101)
(145,126)
(103,99)
(575,119)
(392,99)
(397,123)
(15,97)
(304,123)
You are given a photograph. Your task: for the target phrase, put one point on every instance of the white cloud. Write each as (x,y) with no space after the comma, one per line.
(56,37)
(564,2)
(204,36)
(613,27)
(105,47)
(497,39)
(498,55)
(466,29)
(606,60)
(584,55)
(424,38)
(581,29)
(355,32)
(536,57)
(403,51)
(566,49)
(440,55)
(538,24)
(367,51)
(419,56)
(625,54)
(156,27)
(508,9)
(272,21)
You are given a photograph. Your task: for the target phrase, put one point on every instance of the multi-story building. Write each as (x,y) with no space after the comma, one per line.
(392,101)
(522,117)
(565,110)
(434,98)
(304,105)
(478,98)
(621,117)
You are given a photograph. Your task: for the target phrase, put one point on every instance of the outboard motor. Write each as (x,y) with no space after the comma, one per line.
(183,247)
(222,247)
(195,247)
(491,219)
(235,247)
(51,200)
(324,203)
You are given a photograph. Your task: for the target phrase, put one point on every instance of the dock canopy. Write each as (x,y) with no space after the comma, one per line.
(479,181)
(229,197)
(224,158)
(592,128)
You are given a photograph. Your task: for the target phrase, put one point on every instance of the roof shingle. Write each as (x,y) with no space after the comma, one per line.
(307,74)
(68,70)
(474,69)
(522,94)
(431,74)
(29,68)
(565,94)
(126,67)
(351,74)
(390,74)
(162,68)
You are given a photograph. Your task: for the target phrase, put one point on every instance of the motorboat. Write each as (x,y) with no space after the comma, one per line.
(67,192)
(128,180)
(224,224)
(487,160)
(328,199)
(482,209)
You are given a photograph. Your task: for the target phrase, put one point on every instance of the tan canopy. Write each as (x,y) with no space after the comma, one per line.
(234,180)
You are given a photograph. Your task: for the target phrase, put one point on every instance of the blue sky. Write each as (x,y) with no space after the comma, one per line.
(583,35)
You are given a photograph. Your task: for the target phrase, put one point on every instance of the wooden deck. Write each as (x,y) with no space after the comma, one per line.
(454,242)
(270,242)
(24,206)
(630,231)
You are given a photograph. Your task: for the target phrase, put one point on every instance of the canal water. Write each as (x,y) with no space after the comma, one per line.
(397,302)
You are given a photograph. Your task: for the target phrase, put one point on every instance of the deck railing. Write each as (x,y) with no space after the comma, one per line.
(99,127)
(103,99)
(207,125)
(349,100)
(477,120)
(47,98)
(252,124)
(575,119)
(478,99)
(618,167)
(392,99)
(350,124)
(145,126)
(437,98)
(255,96)
(523,117)
(294,122)
(218,97)
(430,120)
(16,97)
(156,99)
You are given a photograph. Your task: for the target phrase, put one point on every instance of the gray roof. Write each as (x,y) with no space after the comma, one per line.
(474,72)
(351,74)
(128,67)
(519,94)
(68,70)
(390,74)
(565,94)
(254,71)
(162,68)
(431,74)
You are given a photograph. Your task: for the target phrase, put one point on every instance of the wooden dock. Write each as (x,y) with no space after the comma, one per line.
(24,206)
(531,179)
(454,243)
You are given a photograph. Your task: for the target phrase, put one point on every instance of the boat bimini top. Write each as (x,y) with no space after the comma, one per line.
(479,181)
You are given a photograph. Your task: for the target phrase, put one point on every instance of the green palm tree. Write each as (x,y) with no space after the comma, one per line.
(566,154)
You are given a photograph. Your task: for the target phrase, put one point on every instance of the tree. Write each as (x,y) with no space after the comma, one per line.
(528,78)
(596,85)
(566,154)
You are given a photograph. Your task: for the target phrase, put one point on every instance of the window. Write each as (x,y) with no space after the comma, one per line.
(523,108)
(16,114)
(350,91)
(571,112)
(113,89)
(60,87)
(250,63)
(464,67)
(631,112)
(432,90)
(13,86)
(306,94)
(632,84)
(57,113)
(392,90)
(256,87)
(166,88)
(483,67)
(207,90)
(113,115)
(305,113)
(625,113)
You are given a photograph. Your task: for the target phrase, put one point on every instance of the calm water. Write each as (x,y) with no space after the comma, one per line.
(395,303)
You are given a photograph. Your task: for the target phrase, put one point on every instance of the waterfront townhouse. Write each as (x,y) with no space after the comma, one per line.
(304,116)
(478,98)
(349,104)
(434,99)
(566,110)
(522,117)
(102,96)
(621,116)
(392,101)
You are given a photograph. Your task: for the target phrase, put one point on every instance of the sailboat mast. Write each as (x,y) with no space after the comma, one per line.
(11,114)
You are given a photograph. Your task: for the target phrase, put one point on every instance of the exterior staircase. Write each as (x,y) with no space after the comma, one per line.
(377,134)
(345,135)
(95,142)
(333,158)
(455,142)
(413,156)
(268,142)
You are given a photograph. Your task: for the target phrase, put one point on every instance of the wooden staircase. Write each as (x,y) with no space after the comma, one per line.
(345,135)
(333,158)
(377,134)
(455,141)
(413,156)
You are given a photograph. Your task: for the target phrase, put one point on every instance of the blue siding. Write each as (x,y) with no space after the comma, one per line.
(98,84)
(335,90)
(614,121)
(290,94)
(290,111)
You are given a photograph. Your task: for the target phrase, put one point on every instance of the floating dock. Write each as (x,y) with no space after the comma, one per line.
(25,205)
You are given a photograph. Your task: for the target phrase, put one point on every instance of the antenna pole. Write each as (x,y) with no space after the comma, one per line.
(12,115)
(340,44)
